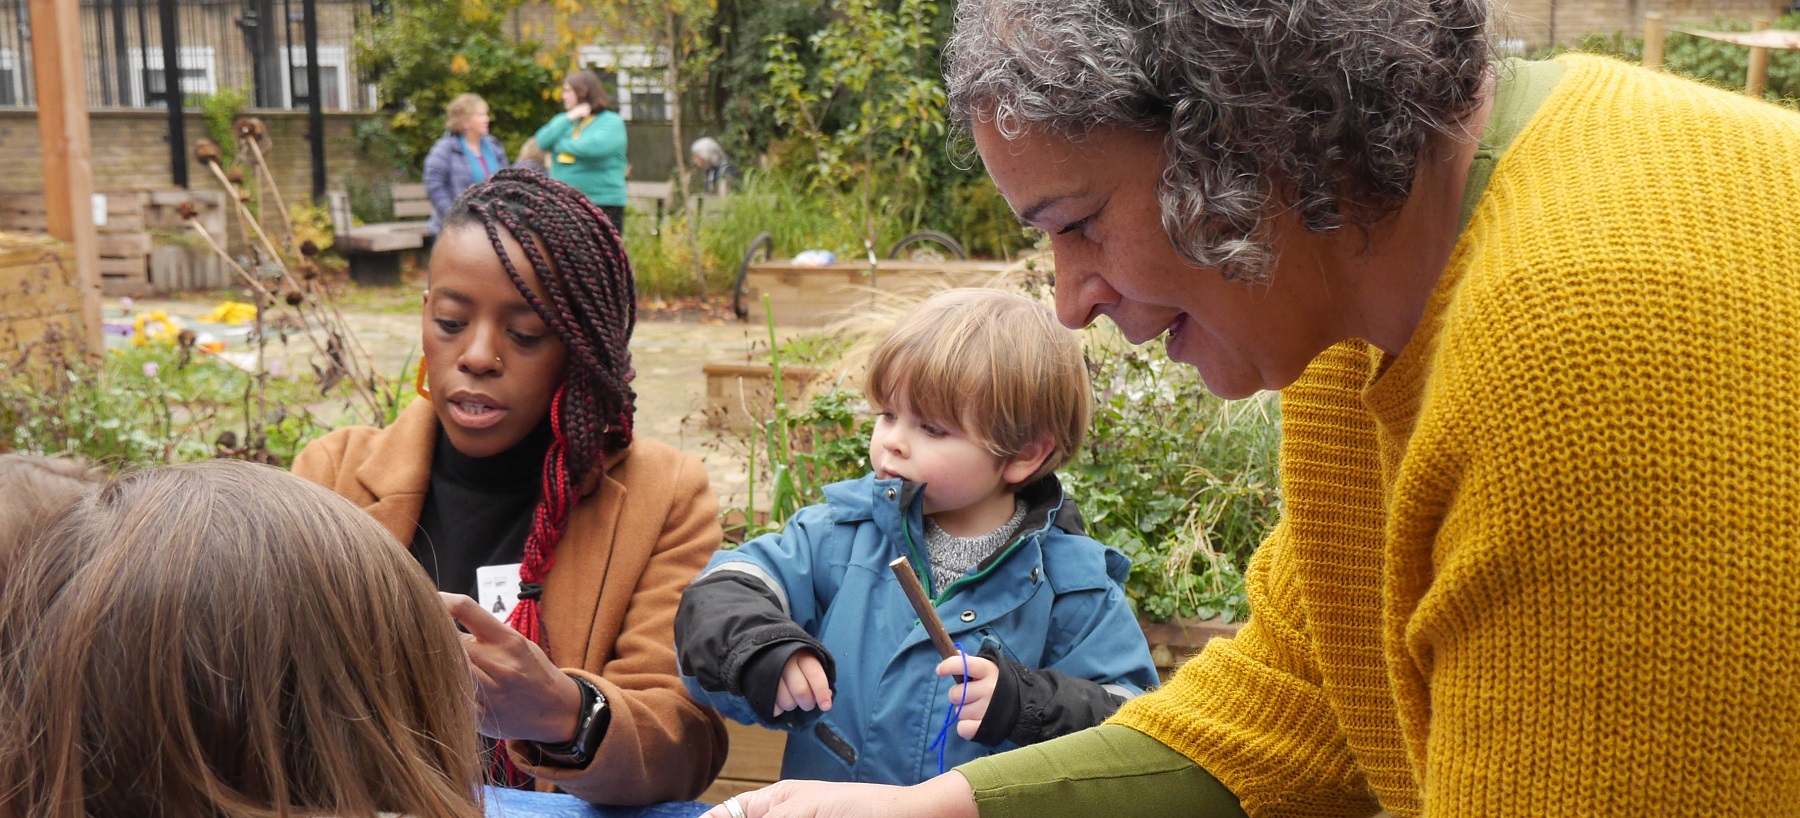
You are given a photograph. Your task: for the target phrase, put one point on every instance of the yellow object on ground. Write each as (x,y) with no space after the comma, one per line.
(154,326)
(231,312)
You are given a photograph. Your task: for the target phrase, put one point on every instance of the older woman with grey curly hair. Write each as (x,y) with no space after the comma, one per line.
(1527,564)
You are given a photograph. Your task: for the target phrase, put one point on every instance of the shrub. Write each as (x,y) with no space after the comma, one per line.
(151,405)
(426,53)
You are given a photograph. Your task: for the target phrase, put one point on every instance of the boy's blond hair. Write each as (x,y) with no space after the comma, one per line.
(993,364)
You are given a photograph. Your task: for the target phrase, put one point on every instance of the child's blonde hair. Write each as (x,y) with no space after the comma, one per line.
(991,363)
(228,640)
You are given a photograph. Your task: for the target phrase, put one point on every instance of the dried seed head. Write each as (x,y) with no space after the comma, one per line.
(309,269)
(293,297)
(187,210)
(207,151)
(249,127)
(244,196)
(185,339)
(235,175)
(308,248)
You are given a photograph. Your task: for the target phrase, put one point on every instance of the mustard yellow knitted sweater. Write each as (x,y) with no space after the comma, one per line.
(1546,561)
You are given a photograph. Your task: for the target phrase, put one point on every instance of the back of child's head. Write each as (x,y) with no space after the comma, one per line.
(223,639)
(36,488)
(992,363)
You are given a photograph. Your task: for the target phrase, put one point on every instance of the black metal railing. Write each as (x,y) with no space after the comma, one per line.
(253,47)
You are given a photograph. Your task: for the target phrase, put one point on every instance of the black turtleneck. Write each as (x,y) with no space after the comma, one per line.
(478,509)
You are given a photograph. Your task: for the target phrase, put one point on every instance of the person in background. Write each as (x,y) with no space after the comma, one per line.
(520,483)
(226,639)
(710,159)
(585,145)
(465,155)
(531,157)
(979,397)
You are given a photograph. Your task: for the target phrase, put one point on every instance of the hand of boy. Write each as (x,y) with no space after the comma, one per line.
(803,685)
(983,676)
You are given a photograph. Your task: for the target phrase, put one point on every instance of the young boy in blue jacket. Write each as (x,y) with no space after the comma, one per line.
(980,395)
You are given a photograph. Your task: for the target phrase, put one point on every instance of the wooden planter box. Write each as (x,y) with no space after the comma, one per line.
(739,393)
(131,263)
(40,302)
(815,296)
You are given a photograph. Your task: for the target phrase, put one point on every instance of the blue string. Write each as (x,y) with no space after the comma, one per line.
(955,712)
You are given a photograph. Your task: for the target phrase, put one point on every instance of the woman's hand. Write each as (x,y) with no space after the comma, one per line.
(983,676)
(521,694)
(580,111)
(803,685)
(946,796)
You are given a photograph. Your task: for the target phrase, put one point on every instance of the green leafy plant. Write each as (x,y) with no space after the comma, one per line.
(866,113)
(803,450)
(1184,483)
(149,405)
(222,108)
(425,53)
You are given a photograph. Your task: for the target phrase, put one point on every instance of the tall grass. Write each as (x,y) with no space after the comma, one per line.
(796,217)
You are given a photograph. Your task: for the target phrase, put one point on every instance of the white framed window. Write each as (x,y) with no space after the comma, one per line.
(12,86)
(199,74)
(639,71)
(334,78)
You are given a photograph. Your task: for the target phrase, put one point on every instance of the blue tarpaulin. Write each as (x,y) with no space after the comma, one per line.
(504,803)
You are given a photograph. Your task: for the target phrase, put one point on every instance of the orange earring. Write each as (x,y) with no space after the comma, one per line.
(419,381)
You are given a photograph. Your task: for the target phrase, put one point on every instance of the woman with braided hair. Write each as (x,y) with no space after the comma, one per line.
(511,483)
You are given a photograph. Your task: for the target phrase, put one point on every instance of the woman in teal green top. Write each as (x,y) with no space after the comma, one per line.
(585,145)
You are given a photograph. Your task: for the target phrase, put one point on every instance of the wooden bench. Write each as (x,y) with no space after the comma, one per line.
(374,250)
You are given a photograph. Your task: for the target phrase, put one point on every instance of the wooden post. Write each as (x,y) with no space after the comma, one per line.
(65,149)
(1759,63)
(1653,40)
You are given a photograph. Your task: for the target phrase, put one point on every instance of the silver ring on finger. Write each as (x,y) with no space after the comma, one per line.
(732,806)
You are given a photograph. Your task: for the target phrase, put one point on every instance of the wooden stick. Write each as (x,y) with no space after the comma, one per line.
(1653,40)
(915,593)
(1756,77)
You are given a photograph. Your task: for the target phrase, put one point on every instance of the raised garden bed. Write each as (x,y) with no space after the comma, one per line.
(803,296)
(738,391)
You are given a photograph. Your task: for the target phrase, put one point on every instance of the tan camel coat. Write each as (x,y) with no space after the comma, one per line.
(633,544)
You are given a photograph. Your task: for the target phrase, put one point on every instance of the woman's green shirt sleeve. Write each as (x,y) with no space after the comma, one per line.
(1107,770)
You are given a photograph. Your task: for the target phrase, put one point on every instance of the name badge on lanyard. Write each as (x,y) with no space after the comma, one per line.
(497,588)
(569,158)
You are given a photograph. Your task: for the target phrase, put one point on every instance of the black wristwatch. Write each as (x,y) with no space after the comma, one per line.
(595,716)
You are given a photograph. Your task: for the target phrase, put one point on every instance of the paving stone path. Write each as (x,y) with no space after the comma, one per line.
(668,355)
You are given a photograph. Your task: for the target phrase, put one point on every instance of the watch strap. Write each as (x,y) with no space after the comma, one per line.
(589,730)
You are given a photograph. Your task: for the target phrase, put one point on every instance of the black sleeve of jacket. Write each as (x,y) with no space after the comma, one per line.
(1030,706)
(731,636)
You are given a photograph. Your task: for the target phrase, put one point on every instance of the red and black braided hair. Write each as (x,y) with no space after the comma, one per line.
(591,304)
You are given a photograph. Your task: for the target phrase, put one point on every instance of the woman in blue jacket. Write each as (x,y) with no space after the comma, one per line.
(585,145)
(465,155)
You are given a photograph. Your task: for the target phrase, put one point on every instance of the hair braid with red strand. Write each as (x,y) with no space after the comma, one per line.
(590,302)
